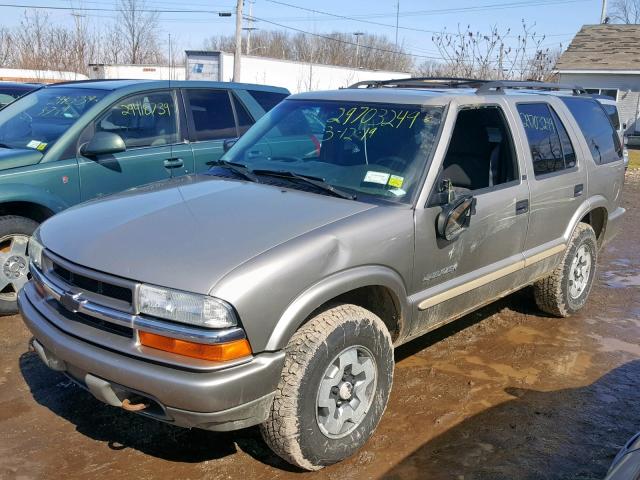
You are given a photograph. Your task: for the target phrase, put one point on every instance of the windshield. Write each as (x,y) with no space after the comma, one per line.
(37,120)
(365,149)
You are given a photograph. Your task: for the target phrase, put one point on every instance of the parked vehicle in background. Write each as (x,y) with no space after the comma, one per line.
(70,142)
(272,290)
(626,465)
(11,91)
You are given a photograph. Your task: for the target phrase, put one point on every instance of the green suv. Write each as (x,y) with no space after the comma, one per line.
(67,143)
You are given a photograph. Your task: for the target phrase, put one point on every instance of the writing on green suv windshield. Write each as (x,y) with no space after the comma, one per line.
(36,121)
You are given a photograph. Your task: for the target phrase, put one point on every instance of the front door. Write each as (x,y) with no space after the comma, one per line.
(453,277)
(149,125)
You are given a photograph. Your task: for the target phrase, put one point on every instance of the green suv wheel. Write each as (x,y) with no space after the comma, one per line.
(334,388)
(14,259)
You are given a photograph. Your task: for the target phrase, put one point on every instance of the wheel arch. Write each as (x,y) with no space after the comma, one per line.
(593,212)
(375,288)
(29,201)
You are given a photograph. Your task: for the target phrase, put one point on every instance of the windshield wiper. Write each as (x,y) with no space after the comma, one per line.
(237,168)
(317,182)
(4,145)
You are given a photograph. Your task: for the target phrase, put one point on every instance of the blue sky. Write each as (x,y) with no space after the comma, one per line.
(558,20)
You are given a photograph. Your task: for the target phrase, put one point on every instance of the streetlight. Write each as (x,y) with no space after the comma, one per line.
(357,35)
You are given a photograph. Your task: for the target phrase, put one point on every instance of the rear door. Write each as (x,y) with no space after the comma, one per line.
(557,174)
(149,123)
(213,116)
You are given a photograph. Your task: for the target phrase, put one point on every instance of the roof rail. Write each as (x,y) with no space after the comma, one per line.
(422,82)
(499,86)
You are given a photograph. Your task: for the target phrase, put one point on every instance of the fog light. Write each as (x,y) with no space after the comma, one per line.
(219,352)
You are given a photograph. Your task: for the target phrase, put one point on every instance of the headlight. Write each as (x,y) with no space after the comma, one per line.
(35,251)
(200,310)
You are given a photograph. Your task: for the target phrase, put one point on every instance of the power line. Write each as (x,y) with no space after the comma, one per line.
(363,18)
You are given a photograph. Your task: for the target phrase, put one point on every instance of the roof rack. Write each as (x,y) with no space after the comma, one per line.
(422,82)
(482,87)
(499,86)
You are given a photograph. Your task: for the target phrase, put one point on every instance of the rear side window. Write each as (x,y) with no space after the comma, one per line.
(212,114)
(267,100)
(612,112)
(598,131)
(551,148)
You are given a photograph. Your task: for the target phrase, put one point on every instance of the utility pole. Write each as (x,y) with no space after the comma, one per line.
(170,58)
(603,14)
(237,55)
(250,28)
(358,35)
(397,21)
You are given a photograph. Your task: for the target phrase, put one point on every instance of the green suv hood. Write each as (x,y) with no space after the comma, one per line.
(18,157)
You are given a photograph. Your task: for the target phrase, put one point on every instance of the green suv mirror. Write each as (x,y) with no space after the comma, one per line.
(104,143)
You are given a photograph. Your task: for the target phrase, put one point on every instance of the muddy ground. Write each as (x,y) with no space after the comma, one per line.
(505,393)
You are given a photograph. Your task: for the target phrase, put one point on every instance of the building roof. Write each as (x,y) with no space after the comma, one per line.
(603,47)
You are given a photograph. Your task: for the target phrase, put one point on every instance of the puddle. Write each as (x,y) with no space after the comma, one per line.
(626,276)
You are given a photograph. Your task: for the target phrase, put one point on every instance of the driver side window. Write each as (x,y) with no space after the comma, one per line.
(144,120)
(481,153)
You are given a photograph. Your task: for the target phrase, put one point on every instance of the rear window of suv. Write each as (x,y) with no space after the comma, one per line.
(597,129)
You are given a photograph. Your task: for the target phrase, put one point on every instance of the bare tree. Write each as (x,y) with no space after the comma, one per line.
(625,11)
(136,34)
(492,55)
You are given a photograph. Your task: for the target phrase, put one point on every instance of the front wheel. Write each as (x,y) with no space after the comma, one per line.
(15,232)
(334,388)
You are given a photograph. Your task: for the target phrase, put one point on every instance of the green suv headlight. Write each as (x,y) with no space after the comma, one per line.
(183,307)
(35,251)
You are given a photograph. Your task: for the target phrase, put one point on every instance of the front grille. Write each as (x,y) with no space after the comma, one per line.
(92,285)
(92,321)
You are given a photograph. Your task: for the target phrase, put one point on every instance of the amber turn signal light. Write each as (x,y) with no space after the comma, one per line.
(219,352)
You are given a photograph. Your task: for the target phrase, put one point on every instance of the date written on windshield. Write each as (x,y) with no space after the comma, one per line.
(376,117)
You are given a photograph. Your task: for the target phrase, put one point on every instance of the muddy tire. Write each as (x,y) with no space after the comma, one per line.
(14,260)
(334,388)
(565,291)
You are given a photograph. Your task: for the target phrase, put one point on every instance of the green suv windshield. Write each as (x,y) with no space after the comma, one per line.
(37,120)
(364,149)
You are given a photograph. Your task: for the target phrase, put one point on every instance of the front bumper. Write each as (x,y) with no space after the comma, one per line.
(221,400)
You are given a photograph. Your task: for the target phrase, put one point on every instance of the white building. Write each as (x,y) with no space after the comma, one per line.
(295,76)
(605,59)
(102,71)
(38,76)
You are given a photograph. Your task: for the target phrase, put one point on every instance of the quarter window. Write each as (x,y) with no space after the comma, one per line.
(267,100)
(212,114)
(145,120)
(551,148)
(596,127)
(244,120)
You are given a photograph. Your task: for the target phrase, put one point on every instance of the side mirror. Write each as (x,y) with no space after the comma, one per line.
(103,143)
(228,143)
(455,217)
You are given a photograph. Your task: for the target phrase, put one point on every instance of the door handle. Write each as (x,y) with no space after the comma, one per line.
(578,189)
(173,163)
(522,207)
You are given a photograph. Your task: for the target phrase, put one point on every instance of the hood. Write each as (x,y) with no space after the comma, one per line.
(18,157)
(189,232)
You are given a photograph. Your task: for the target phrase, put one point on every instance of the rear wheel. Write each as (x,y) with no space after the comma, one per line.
(565,291)
(15,232)
(334,388)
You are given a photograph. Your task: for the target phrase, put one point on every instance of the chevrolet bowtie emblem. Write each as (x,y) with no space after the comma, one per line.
(72,302)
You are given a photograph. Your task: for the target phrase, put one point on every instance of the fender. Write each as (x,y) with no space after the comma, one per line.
(22,192)
(331,287)
(589,204)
